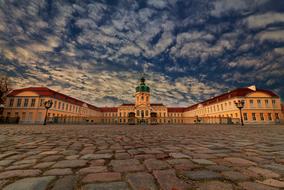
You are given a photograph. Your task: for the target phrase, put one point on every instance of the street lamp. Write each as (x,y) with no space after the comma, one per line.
(240,104)
(47,105)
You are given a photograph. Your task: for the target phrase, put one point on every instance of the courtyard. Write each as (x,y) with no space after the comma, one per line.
(193,157)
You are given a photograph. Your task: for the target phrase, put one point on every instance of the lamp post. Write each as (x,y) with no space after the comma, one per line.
(47,105)
(240,104)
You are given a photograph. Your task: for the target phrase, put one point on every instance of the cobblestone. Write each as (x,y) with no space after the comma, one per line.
(70,163)
(107,186)
(215,185)
(153,164)
(19,173)
(168,181)
(39,183)
(65,183)
(102,177)
(202,175)
(139,158)
(60,172)
(93,169)
(273,182)
(141,180)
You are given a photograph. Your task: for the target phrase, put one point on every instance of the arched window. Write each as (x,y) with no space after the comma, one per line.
(142,97)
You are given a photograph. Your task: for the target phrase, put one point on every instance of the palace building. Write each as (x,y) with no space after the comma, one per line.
(27,104)
(260,107)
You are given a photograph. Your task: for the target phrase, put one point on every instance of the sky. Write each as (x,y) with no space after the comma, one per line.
(97,50)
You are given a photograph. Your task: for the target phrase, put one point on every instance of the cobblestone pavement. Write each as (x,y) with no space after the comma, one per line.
(141,158)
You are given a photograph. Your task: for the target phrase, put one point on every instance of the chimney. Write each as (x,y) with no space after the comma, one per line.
(253,87)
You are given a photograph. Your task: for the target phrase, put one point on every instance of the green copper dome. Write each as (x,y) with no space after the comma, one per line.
(142,87)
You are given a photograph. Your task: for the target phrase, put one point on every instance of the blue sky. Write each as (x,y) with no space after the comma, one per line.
(190,50)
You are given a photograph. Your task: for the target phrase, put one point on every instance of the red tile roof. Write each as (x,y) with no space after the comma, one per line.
(109,109)
(46,92)
(239,92)
(127,104)
(176,109)
(157,104)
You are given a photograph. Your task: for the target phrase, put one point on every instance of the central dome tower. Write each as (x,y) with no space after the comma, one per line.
(142,99)
(142,87)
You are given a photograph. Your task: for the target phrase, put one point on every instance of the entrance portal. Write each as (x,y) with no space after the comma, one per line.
(131,118)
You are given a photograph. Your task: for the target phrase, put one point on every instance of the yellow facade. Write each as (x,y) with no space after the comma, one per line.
(29,107)
(259,108)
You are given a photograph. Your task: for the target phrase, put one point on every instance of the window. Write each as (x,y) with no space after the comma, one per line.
(273,103)
(259,103)
(266,103)
(276,116)
(245,116)
(33,103)
(269,116)
(221,106)
(251,103)
(41,102)
(138,113)
(253,117)
(261,117)
(16,114)
(67,107)
(55,104)
(59,105)
(147,112)
(142,98)
(26,102)
(11,104)
(24,116)
(19,102)
(62,106)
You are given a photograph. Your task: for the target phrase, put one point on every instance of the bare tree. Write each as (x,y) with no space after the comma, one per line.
(4,88)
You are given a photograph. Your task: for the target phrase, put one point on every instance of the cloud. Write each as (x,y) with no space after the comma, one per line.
(276,36)
(159,4)
(197,45)
(263,20)
(223,7)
